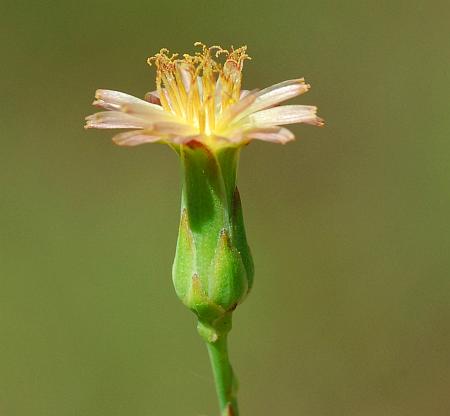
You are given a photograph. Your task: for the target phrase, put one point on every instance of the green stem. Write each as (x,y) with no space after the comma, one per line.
(223,376)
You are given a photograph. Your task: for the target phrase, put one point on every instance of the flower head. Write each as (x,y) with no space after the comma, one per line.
(200,99)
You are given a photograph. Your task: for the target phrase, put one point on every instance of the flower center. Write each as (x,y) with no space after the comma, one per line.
(198,88)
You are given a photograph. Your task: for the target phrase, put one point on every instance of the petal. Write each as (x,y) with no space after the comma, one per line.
(116,97)
(244,94)
(286,114)
(135,138)
(232,71)
(235,110)
(186,77)
(172,128)
(275,94)
(152,97)
(271,134)
(218,97)
(105,105)
(168,100)
(115,120)
(115,100)
(278,93)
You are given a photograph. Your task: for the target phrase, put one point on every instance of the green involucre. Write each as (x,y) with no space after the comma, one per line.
(213,267)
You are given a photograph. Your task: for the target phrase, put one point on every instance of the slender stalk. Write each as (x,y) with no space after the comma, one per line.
(223,376)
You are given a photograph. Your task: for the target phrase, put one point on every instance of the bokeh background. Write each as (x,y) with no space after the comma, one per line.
(350,313)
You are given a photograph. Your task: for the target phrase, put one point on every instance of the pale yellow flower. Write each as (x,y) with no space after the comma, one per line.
(197,98)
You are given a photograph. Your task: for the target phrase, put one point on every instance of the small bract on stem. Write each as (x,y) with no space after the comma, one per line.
(201,112)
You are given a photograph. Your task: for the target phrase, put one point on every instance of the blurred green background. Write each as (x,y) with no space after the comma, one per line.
(350,313)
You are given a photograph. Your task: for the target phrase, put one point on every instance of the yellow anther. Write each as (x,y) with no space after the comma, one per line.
(187,84)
